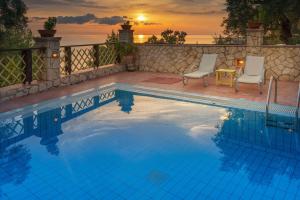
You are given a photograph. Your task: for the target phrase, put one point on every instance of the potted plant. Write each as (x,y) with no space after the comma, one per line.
(126,25)
(49,26)
(127,53)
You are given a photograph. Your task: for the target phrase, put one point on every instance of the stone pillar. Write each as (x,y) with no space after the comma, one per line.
(255,37)
(51,71)
(126,36)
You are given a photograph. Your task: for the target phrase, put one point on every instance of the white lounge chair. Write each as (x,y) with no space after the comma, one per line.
(254,72)
(206,67)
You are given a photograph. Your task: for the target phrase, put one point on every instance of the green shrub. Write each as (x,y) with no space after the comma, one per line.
(50,23)
(120,49)
(228,40)
(168,37)
(295,40)
(16,38)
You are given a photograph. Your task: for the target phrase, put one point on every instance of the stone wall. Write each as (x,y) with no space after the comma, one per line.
(281,61)
(10,92)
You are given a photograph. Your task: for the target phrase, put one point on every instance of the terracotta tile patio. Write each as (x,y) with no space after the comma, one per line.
(287,91)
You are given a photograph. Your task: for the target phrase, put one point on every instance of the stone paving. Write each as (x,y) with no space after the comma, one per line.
(287,90)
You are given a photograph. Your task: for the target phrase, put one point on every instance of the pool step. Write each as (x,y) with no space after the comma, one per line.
(280,124)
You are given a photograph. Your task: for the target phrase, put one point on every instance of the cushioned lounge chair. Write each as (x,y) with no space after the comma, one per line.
(206,68)
(254,73)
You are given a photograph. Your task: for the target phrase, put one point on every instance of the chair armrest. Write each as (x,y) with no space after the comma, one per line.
(189,69)
(239,73)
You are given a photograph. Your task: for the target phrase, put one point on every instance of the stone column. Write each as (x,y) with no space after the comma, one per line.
(51,71)
(126,36)
(255,37)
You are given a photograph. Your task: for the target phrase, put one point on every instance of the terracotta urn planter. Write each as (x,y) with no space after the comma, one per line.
(47,33)
(254,24)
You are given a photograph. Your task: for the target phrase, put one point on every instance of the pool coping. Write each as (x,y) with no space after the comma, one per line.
(278,109)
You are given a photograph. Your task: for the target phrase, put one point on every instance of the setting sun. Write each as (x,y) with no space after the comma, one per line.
(141,18)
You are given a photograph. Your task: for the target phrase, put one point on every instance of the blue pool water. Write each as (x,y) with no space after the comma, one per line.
(124,145)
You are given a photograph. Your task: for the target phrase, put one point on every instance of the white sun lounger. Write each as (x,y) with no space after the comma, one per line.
(206,67)
(253,73)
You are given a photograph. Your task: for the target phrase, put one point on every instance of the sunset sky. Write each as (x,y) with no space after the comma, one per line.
(90,17)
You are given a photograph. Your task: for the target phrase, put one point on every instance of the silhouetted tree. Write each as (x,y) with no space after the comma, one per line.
(13,25)
(280,16)
(168,37)
(13,14)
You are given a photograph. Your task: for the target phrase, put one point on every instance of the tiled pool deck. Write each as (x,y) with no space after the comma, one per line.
(287,91)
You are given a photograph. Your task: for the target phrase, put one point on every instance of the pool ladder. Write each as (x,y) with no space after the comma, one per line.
(270,93)
(298,104)
(275,123)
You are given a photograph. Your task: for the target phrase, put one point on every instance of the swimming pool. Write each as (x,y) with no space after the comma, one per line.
(121,144)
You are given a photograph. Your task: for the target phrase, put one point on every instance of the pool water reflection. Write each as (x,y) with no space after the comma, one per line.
(123,145)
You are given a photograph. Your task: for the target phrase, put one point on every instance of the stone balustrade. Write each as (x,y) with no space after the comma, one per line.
(18,90)
(83,63)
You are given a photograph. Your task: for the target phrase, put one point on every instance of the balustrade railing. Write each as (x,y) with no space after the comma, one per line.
(21,65)
(25,65)
(76,58)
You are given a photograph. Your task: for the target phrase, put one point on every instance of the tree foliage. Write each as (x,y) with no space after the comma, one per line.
(279,17)
(16,38)
(173,37)
(239,13)
(121,48)
(112,38)
(13,25)
(153,40)
(13,14)
(169,37)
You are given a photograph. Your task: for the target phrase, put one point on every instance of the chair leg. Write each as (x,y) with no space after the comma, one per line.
(205,83)
(236,86)
(260,85)
(184,80)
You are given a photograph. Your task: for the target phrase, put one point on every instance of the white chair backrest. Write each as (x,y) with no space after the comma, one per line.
(254,66)
(208,63)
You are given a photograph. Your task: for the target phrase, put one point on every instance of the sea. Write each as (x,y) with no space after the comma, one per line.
(93,39)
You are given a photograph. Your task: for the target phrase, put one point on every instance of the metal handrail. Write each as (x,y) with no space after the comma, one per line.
(270,93)
(298,102)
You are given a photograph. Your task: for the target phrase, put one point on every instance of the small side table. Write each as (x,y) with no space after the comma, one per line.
(225,77)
